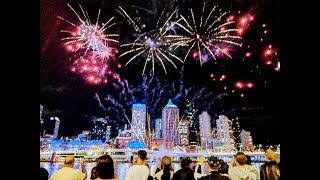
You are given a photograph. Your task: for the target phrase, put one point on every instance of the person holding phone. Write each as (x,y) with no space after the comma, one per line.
(67,172)
(238,169)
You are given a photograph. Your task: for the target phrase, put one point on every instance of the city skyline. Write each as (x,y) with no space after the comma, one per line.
(76,102)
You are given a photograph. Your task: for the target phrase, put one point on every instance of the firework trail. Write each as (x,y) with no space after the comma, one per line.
(99,101)
(210,36)
(153,45)
(155,94)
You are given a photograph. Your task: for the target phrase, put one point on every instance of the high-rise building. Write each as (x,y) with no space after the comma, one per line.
(205,130)
(170,119)
(246,140)
(99,129)
(214,133)
(183,132)
(138,122)
(225,133)
(158,127)
(236,129)
(190,117)
(108,133)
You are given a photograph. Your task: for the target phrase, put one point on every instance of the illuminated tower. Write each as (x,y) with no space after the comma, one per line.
(99,129)
(108,133)
(205,129)
(236,129)
(157,132)
(225,132)
(138,122)
(246,140)
(183,132)
(190,117)
(170,119)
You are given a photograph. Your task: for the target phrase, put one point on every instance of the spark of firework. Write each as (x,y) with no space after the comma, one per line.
(87,35)
(94,70)
(153,45)
(91,45)
(209,35)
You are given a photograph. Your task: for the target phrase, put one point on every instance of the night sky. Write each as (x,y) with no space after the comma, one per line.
(74,100)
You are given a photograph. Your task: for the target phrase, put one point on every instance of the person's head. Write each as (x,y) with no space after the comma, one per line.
(185,162)
(44,175)
(142,155)
(270,155)
(166,161)
(166,164)
(241,158)
(224,167)
(69,161)
(214,163)
(105,168)
(248,160)
(221,161)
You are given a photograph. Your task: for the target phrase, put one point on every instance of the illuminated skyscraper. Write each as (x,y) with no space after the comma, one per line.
(99,129)
(225,132)
(246,140)
(190,117)
(183,132)
(108,133)
(158,127)
(138,122)
(236,129)
(205,129)
(170,119)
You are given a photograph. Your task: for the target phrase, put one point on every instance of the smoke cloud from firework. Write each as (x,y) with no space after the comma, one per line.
(155,94)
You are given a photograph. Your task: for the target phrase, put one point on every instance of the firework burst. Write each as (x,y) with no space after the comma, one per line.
(91,47)
(211,36)
(93,69)
(153,45)
(88,36)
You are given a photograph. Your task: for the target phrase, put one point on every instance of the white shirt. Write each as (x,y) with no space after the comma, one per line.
(68,173)
(137,172)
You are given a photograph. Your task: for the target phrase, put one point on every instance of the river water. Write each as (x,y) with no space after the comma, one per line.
(120,168)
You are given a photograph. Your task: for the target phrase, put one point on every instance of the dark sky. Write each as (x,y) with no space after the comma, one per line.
(70,97)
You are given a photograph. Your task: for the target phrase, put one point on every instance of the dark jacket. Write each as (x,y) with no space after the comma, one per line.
(93,173)
(214,175)
(268,171)
(184,174)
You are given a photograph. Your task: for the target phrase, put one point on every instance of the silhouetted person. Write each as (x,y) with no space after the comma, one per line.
(44,175)
(166,172)
(214,165)
(105,168)
(269,170)
(185,173)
